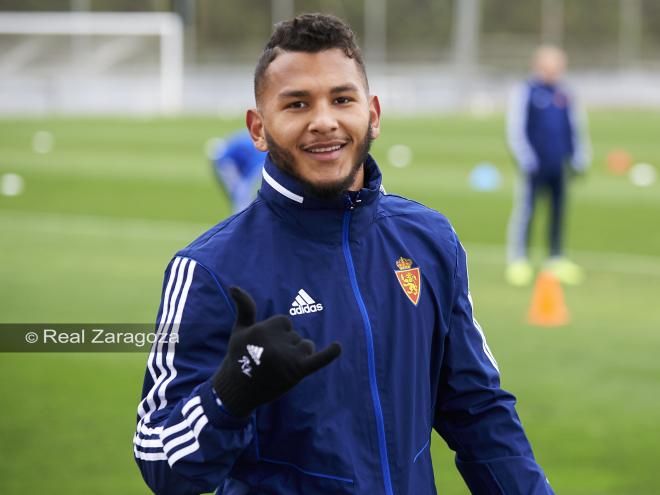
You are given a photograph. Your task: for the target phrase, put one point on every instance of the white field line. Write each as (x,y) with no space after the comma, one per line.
(99,226)
(454,180)
(638,264)
(167,174)
(184,232)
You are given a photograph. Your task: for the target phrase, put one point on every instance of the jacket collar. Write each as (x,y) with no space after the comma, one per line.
(536,82)
(321,218)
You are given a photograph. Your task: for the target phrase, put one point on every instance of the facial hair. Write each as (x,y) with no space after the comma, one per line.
(284,160)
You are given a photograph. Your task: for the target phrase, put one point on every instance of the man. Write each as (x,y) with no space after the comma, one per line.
(237,165)
(544,136)
(243,404)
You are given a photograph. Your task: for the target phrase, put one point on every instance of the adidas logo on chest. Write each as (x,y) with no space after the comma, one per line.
(303,304)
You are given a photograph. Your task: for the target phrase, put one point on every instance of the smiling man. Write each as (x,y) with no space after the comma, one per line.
(243,403)
(314,114)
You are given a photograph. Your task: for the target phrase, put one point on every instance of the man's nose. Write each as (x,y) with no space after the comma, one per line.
(323,119)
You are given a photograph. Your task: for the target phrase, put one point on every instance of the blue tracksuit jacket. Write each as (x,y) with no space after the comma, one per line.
(384,276)
(544,129)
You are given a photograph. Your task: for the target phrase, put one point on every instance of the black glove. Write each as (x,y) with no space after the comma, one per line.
(264,360)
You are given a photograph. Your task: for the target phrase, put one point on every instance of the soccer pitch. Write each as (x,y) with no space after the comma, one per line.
(104,210)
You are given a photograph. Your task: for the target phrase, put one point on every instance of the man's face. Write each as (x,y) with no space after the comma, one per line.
(550,65)
(316,118)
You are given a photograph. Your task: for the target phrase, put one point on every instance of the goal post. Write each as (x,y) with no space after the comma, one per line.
(164,25)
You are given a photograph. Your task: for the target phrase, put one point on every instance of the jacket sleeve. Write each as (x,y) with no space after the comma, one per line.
(185,443)
(519,143)
(474,415)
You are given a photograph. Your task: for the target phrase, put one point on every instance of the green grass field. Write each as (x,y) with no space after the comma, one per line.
(103,212)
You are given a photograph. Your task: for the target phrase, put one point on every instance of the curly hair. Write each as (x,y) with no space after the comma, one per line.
(309,33)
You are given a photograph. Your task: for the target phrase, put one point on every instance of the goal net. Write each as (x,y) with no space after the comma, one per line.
(91,62)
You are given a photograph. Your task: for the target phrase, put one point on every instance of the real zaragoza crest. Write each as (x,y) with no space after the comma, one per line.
(409,278)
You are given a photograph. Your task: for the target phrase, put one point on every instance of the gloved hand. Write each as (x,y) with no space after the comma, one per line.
(264,360)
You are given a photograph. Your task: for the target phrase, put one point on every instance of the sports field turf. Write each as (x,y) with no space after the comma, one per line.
(104,211)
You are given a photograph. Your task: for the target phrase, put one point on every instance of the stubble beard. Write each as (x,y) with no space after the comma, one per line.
(284,160)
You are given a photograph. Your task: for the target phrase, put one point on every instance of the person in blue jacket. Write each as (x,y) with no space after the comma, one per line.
(237,165)
(546,134)
(237,398)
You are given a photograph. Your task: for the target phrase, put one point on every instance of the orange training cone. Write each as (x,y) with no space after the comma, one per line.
(548,308)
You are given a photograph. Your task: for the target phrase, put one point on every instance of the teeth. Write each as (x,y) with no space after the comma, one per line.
(324,150)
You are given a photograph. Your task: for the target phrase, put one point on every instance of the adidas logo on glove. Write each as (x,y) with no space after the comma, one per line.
(255,353)
(304,304)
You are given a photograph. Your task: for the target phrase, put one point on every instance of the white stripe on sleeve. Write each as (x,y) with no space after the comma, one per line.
(171,346)
(178,441)
(484,344)
(173,429)
(150,456)
(517,127)
(182,453)
(157,353)
(149,444)
(188,405)
(194,420)
(163,317)
(181,276)
(195,413)
(203,421)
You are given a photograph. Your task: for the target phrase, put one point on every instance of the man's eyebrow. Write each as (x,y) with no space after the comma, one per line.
(344,88)
(294,93)
(301,93)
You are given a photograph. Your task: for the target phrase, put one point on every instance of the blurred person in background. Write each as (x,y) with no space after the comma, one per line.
(237,165)
(547,136)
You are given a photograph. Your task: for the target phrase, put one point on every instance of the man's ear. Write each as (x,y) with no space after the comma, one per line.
(255,125)
(374,116)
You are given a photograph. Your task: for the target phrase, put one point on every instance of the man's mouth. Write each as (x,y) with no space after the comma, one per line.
(327,150)
(324,149)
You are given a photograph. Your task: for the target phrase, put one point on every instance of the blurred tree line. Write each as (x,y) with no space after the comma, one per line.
(416,30)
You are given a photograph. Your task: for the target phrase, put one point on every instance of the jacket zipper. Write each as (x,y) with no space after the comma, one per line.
(380,423)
